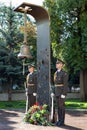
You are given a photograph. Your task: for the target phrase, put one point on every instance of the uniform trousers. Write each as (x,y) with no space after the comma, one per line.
(61,108)
(30,101)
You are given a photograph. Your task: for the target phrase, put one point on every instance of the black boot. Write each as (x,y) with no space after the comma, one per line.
(61,117)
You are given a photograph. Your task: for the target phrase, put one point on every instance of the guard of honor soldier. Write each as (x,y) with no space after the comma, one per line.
(61,87)
(31,87)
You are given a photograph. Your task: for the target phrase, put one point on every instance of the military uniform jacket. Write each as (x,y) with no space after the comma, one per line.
(32,83)
(61,83)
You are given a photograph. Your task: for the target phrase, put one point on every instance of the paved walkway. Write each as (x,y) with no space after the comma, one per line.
(12,120)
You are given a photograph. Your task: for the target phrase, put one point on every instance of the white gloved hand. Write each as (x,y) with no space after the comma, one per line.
(52,95)
(35,94)
(62,96)
(26,91)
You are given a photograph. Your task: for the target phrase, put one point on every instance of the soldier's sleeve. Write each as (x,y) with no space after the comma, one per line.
(27,78)
(54,77)
(65,81)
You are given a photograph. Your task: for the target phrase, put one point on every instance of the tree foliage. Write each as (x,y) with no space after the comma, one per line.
(74,17)
(10,42)
(68,24)
(10,67)
(72,45)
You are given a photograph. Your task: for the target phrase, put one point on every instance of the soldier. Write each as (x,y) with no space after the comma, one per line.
(61,85)
(31,87)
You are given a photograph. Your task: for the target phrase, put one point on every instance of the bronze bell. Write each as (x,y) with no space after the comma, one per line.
(24,52)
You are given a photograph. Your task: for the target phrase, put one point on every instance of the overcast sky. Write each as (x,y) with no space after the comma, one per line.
(18,2)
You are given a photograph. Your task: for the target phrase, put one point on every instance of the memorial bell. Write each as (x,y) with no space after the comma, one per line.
(24,52)
(24,49)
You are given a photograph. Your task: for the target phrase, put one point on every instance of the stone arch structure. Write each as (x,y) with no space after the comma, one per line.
(43,50)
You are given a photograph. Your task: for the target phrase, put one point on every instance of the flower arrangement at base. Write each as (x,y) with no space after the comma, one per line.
(38,115)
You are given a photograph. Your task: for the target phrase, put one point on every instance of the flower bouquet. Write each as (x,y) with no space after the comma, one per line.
(38,115)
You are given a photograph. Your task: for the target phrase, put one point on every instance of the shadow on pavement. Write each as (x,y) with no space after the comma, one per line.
(5,119)
(76,113)
(68,127)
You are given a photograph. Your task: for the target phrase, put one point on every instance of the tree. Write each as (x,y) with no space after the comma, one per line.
(73,14)
(10,42)
(10,67)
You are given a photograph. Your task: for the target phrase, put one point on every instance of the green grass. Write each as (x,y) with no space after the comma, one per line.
(12,104)
(70,104)
(75,104)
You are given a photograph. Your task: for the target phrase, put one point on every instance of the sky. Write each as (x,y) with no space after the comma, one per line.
(15,3)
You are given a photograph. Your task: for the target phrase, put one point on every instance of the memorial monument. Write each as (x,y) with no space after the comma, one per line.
(43,49)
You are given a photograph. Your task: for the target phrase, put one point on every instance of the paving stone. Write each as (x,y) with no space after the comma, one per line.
(12,120)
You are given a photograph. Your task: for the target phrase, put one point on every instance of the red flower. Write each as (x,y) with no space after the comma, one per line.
(41,107)
(33,111)
(37,104)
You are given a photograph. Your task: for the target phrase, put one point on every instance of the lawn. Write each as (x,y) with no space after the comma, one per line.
(12,104)
(75,104)
(70,104)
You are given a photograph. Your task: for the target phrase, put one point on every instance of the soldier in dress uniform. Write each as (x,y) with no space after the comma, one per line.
(61,87)
(31,87)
